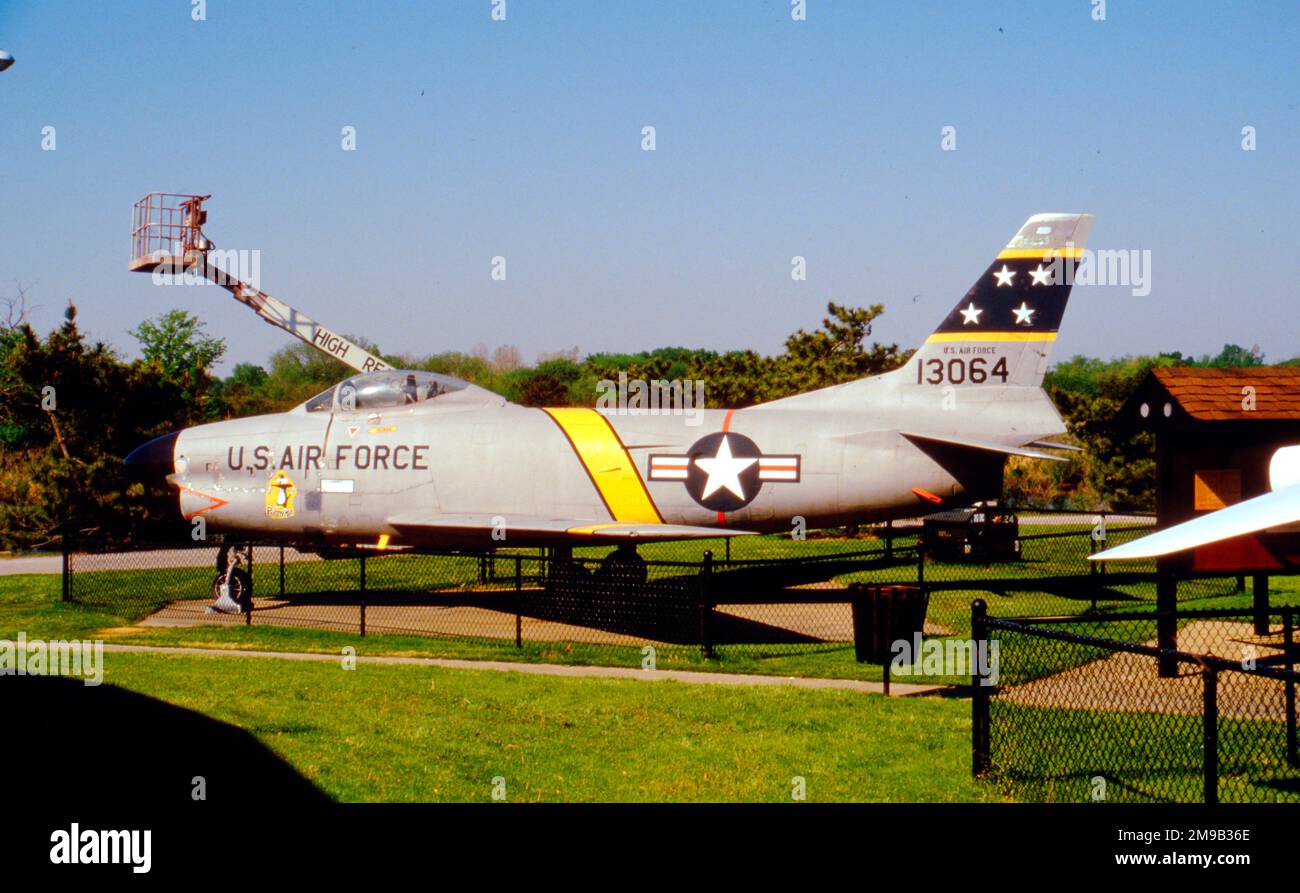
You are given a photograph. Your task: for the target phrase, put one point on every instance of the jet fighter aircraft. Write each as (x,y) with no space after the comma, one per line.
(399,457)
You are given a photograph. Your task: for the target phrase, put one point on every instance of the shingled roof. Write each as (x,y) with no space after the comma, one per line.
(1213,394)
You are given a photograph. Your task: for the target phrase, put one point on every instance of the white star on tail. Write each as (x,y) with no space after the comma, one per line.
(1024,314)
(724,471)
(971,314)
(1041,276)
(1004,275)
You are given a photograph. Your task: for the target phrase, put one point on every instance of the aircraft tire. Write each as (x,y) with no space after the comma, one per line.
(626,569)
(240,588)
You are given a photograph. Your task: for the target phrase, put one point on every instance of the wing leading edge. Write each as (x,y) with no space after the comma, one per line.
(1270,510)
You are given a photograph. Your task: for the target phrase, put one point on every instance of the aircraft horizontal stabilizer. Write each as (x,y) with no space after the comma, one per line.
(1270,510)
(1053,445)
(557,530)
(982,446)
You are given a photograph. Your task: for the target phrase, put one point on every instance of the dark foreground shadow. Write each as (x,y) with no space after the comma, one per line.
(70,740)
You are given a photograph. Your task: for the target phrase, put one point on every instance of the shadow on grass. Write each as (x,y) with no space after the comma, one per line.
(105,743)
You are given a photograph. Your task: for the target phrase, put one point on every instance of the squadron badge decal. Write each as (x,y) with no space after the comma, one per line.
(280,493)
(724,471)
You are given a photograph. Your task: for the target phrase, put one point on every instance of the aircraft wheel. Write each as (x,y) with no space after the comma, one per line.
(234,586)
(623,567)
(563,572)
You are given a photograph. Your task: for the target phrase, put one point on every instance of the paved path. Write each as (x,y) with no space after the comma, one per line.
(31,564)
(900,689)
(196,556)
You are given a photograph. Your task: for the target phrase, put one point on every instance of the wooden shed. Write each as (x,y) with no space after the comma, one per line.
(1216,430)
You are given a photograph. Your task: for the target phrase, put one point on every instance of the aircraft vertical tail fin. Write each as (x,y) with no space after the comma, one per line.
(1002,330)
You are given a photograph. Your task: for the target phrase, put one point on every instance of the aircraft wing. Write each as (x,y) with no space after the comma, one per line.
(1270,510)
(480,527)
(984,446)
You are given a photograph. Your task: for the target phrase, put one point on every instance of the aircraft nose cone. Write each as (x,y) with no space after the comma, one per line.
(153,461)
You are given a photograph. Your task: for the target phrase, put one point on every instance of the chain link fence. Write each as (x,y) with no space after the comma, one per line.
(1090,708)
(753,597)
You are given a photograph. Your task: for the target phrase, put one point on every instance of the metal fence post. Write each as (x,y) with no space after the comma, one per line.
(66,549)
(282,572)
(706,573)
(1210,707)
(519,585)
(1259,585)
(363,595)
(884,619)
(1166,622)
(979,701)
(1288,650)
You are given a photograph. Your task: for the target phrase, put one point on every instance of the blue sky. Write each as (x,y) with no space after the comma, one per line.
(775,138)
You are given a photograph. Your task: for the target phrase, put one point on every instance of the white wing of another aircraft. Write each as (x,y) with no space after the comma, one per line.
(1270,510)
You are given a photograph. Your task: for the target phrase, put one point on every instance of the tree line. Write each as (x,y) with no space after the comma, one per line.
(72,408)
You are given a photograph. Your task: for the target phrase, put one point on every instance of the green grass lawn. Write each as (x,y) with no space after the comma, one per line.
(412,733)
(406,733)
(382,733)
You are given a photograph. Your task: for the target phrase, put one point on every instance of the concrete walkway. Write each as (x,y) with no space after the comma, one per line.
(31,564)
(897,689)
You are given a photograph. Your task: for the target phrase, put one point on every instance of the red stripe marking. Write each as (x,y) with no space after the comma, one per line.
(216,502)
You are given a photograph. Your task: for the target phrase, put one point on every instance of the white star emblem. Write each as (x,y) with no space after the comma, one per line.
(971,314)
(724,471)
(1004,275)
(1024,314)
(1041,276)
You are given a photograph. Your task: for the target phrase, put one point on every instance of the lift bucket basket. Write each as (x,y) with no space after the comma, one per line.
(167,228)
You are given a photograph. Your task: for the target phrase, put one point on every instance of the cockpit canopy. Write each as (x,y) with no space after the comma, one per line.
(384,390)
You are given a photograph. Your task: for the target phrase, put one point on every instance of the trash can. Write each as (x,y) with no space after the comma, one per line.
(884,614)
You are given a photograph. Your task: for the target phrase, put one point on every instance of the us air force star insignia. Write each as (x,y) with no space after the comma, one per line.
(1024,314)
(1041,276)
(724,471)
(1004,275)
(971,314)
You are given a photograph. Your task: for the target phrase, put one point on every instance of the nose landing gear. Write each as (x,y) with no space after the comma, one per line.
(232,587)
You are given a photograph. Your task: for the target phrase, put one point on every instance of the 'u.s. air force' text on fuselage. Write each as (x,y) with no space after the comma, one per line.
(363,457)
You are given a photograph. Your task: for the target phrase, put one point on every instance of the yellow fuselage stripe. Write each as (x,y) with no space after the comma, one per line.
(976,336)
(608,464)
(1039,253)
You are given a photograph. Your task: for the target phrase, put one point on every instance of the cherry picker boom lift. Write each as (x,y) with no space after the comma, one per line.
(167,239)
